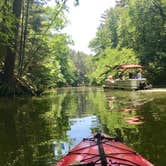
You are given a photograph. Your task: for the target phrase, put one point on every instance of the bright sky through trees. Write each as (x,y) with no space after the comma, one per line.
(84,20)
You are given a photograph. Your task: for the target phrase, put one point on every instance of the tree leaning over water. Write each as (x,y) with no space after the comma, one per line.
(27,31)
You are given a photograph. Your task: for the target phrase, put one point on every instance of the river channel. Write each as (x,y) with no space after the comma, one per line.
(37,131)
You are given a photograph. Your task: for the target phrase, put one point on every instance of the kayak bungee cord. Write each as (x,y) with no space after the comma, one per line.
(100,139)
(101,149)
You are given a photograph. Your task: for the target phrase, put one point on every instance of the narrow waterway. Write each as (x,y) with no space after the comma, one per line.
(37,131)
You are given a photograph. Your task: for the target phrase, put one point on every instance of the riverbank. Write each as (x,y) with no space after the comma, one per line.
(155,90)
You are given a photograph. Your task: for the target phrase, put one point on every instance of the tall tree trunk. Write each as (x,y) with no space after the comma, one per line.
(21,39)
(11,52)
(3,50)
(24,38)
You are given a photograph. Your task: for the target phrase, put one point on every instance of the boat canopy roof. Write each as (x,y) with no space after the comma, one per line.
(132,66)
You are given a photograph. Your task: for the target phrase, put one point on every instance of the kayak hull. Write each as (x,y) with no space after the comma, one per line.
(103,151)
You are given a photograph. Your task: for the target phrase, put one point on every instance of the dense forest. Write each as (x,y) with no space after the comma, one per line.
(35,53)
(132,32)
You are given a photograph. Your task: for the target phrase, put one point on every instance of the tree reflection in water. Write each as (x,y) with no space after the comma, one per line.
(28,128)
(148,135)
(38,131)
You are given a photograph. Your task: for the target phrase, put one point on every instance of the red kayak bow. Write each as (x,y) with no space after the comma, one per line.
(102,150)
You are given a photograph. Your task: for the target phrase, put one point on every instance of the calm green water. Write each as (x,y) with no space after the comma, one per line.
(37,131)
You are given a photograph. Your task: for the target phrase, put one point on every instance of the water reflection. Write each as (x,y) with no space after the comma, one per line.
(38,131)
(80,128)
(142,121)
(30,127)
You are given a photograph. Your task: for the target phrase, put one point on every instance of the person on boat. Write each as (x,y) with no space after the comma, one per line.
(139,75)
(111,79)
(123,77)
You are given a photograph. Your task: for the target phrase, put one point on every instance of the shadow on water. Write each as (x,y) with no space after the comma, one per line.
(38,131)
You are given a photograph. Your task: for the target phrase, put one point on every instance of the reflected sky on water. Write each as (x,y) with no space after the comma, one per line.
(39,130)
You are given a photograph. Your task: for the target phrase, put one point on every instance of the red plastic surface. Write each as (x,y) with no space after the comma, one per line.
(117,154)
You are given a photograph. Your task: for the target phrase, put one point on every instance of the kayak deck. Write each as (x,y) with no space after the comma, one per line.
(102,150)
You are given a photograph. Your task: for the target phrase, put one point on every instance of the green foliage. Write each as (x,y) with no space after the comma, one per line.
(138,25)
(149,21)
(42,49)
(101,41)
(131,32)
(83,65)
(60,52)
(106,35)
(6,24)
(111,58)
